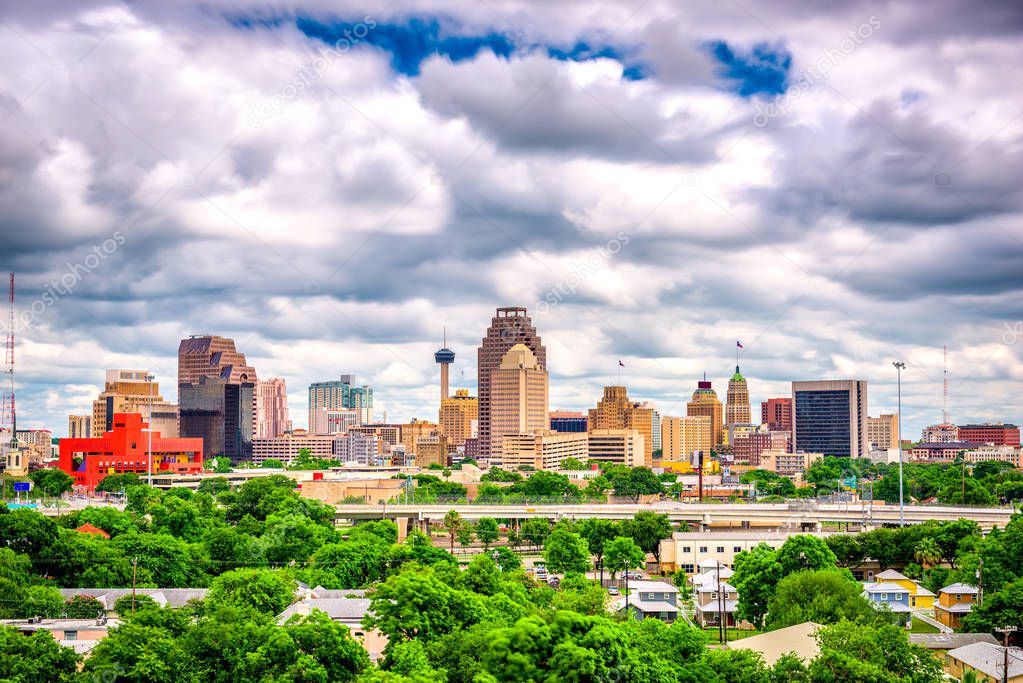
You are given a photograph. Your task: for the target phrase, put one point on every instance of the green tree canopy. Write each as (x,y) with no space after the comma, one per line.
(823,596)
(566,552)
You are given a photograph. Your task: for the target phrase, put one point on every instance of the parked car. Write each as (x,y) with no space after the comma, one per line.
(554,582)
(635,576)
(613,590)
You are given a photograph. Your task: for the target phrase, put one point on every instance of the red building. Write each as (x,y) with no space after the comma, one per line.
(125,449)
(776,413)
(998,434)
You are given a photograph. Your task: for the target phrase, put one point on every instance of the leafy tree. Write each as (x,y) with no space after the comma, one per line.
(137,652)
(26,531)
(83,607)
(802,552)
(822,596)
(872,652)
(573,465)
(757,572)
(115,483)
(487,531)
(466,532)
(264,592)
(597,533)
(453,522)
(739,666)
(881,545)
(417,604)
(123,605)
(497,474)
(535,531)
(579,594)
(636,482)
(648,529)
(622,553)
(506,559)
(214,485)
(927,553)
(566,553)
(847,549)
(544,484)
(272,464)
(1003,608)
(35,657)
(481,576)
(52,481)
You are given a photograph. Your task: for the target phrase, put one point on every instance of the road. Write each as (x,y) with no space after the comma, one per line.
(781,515)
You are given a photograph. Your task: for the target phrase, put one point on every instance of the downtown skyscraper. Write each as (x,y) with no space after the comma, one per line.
(510,326)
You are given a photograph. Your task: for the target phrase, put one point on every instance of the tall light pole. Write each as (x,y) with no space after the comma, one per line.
(149,450)
(899,367)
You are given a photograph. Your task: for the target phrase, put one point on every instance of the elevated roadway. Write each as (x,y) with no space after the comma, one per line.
(801,514)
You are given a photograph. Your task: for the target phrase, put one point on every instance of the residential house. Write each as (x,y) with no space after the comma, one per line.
(710,571)
(713,600)
(164,597)
(987,661)
(954,602)
(940,643)
(919,597)
(79,634)
(650,600)
(346,607)
(891,596)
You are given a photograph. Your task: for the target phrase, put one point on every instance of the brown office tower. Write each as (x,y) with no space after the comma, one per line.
(216,396)
(509,327)
(207,356)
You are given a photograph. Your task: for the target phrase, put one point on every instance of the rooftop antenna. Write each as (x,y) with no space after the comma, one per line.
(10,413)
(944,402)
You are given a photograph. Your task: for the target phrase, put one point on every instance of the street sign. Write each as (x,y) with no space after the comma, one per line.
(23,486)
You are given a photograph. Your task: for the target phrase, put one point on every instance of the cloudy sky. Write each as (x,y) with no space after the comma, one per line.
(332,183)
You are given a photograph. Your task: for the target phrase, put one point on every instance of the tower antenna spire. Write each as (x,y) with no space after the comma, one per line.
(9,408)
(944,400)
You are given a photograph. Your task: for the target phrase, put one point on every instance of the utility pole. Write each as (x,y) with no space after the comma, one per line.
(149,460)
(980,582)
(1005,651)
(628,613)
(899,367)
(134,568)
(721,631)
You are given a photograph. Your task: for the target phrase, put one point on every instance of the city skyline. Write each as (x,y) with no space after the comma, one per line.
(652,183)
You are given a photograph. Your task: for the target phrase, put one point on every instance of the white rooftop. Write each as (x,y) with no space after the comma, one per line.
(891,575)
(959,588)
(884,588)
(988,658)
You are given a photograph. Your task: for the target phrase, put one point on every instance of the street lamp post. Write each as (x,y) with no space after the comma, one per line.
(899,367)
(149,450)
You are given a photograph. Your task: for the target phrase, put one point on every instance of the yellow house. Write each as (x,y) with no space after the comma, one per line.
(919,597)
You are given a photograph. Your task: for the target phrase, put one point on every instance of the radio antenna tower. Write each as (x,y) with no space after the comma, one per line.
(944,400)
(10,414)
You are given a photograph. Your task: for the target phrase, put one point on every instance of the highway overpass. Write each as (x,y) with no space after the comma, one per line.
(794,515)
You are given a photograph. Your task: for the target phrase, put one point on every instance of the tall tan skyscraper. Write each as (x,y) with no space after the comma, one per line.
(79,426)
(271,408)
(459,417)
(705,402)
(519,401)
(680,436)
(509,327)
(616,411)
(737,410)
(883,431)
(127,391)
